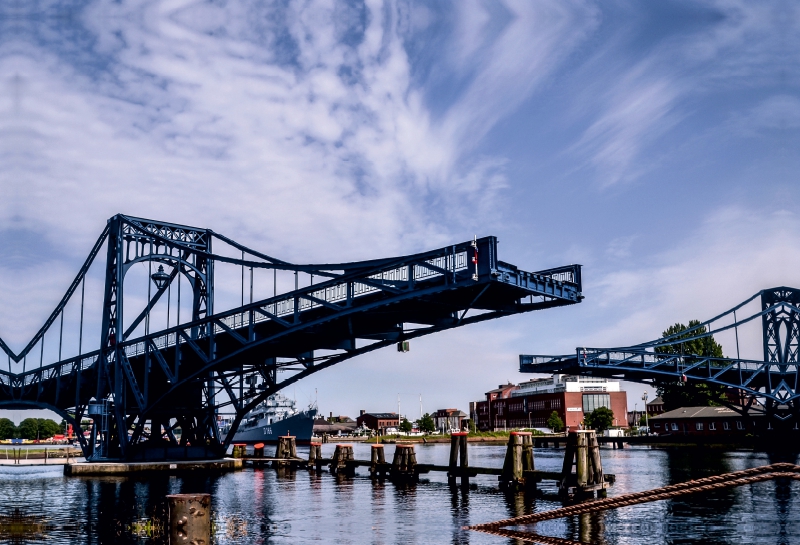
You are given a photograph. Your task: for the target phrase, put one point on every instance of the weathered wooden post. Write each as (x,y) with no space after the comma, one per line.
(189,518)
(258,450)
(377,466)
(314,454)
(404,464)
(582,452)
(286,450)
(342,455)
(458,449)
(512,466)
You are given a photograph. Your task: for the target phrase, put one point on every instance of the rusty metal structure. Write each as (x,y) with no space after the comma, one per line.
(157,392)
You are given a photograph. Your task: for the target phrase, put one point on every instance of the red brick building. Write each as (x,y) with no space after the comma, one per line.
(379,422)
(530,404)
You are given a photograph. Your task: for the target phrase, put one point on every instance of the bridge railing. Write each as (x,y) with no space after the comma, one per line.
(333,291)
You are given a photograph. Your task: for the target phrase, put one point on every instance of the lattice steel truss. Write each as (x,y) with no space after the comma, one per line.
(183,376)
(770,384)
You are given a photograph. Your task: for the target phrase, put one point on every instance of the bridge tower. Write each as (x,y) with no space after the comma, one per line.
(781,327)
(117,382)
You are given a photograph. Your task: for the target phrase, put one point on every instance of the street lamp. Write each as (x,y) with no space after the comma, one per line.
(646,425)
(159,277)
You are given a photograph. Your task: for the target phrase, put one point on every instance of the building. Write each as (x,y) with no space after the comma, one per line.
(449,419)
(379,422)
(705,421)
(655,407)
(531,403)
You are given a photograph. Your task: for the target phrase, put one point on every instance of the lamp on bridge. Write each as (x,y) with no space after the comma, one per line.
(160,278)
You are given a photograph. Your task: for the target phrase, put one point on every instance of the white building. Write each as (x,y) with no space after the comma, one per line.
(565,383)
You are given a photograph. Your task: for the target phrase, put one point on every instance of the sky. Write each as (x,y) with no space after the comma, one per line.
(654,143)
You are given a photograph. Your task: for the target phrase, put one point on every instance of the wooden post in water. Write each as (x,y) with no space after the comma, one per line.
(342,455)
(512,466)
(404,464)
(377,466)
(458,449)
(189,518)
(582,452)
(286,450)
(314,454)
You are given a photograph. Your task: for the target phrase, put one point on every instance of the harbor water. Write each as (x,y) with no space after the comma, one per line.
(255,506)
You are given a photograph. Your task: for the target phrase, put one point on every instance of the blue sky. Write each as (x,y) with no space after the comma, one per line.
(654,143)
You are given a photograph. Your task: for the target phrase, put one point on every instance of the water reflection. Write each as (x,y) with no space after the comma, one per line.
(267,506)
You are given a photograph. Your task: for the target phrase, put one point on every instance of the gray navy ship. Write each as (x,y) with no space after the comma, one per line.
(274,417)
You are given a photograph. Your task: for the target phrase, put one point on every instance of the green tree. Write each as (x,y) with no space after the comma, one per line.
(600,419)
(555,423)
(643,421)
(676,394)
(405,426)
(7,429)
(426,424)
(38,428)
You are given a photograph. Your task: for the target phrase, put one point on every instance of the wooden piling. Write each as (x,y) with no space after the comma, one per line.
(189,518)
(286,450)
(342,455)
(519,459)
(458,449)
(582,453)
(377,466)
(404,464)
(258,450)
(314,454)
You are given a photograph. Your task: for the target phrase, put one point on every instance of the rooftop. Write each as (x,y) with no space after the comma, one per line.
(702,412)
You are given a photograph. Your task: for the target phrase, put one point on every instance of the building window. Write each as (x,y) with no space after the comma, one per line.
(698,426)
(712,425)
(739,425)
(674,426)
(726,425)
(593,401)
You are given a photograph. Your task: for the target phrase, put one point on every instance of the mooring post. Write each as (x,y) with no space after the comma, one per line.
(583,452)
(286,450)
(189,518)
(458,449)
(314,454)
(342,455)
(512,466)
(258,450)
(377,461)
(404,464)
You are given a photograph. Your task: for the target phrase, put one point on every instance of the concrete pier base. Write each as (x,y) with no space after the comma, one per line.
(127,468)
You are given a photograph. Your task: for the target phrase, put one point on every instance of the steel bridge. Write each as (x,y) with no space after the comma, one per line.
(769,385)
(139,386)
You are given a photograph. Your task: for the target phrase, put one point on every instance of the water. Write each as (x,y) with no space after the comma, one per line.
(259,506)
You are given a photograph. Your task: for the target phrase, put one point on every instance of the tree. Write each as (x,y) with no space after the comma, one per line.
(405,425)
(426,424)
(555,423)
(643,421)
(676,394)
(600,419)
(7,429)
(38,428)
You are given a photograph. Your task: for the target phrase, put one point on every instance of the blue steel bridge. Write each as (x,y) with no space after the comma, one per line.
(140,384)
(769,384)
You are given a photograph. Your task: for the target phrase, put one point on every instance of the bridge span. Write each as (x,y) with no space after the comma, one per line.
(140,383)
(769,385)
